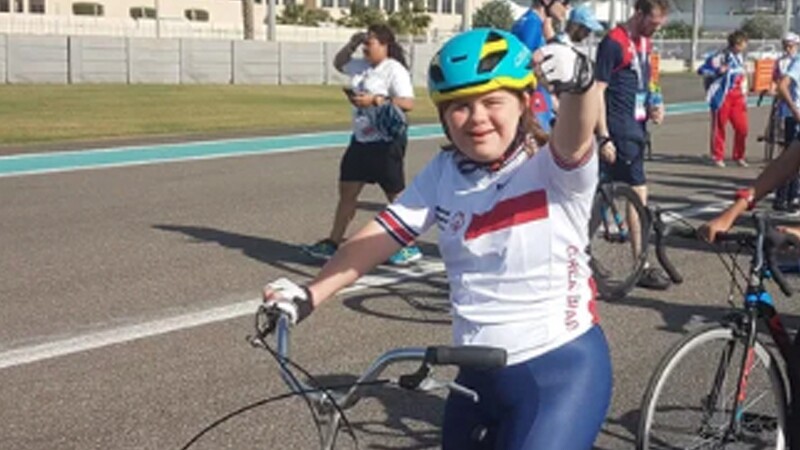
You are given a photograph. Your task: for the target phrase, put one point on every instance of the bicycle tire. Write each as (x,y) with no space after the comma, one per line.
(774,133)
(693,345)
(616,285)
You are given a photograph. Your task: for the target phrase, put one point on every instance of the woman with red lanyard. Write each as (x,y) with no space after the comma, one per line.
(726,84)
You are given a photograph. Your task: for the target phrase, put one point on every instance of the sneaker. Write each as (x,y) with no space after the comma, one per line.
(718,163)
(405,256)
(791,211)
(655,279)
(323,249)
(742,163)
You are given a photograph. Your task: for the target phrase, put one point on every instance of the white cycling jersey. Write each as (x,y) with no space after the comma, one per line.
(513,243)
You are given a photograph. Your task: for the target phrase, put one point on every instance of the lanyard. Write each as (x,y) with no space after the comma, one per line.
(639,58)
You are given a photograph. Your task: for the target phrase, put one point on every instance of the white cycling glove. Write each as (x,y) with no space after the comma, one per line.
(292,299)
(566,68)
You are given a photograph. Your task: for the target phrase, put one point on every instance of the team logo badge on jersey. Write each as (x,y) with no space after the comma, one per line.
(457,221)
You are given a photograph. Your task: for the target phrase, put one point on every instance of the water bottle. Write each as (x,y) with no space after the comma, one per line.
(656,98)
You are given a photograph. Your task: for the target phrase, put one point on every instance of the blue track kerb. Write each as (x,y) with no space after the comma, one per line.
(39,163)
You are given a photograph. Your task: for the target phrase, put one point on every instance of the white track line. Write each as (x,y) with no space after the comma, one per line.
(118,335)
(127,333)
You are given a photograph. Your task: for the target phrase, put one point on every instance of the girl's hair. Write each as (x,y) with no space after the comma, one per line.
(736,37)
(528,124)
(386,36)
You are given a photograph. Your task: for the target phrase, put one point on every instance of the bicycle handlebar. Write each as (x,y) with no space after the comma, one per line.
(466,356)
(766,240)
(272,320)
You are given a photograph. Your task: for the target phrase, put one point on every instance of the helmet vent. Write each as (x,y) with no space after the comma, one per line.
(494,36)
(435,72)
(459,58)
(489,62)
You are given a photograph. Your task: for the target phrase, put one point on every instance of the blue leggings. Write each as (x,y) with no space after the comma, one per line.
(556,401)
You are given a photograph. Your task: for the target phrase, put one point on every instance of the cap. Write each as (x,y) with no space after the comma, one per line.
(583,15)
(791,38)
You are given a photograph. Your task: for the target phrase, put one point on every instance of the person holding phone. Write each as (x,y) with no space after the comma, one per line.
(378,80)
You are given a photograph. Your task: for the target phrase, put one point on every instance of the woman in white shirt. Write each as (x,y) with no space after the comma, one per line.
(378,81)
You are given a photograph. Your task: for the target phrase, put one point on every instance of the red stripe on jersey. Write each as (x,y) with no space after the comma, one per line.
(593,302)
(396,227)
(513,211)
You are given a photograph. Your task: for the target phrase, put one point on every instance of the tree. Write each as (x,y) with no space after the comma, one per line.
(294,14)
(676,30)
(247,17)
(361,16)
(493,14)
(762,26)
(411,19)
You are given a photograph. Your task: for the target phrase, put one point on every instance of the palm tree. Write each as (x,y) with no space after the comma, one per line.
(247,17)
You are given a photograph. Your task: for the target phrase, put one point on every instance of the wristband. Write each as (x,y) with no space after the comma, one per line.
(747,195)
(602,141)
(305,308)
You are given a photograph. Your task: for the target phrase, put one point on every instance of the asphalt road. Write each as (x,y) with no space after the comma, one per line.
(94,251)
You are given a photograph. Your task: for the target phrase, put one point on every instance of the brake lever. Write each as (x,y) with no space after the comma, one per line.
(429,384)
(265,323)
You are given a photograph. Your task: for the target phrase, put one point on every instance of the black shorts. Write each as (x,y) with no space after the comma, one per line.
(629,165)
(790,130)
(375,162)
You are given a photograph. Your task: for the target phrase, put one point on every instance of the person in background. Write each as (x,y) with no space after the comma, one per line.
(726,80)
(581,23)
(786,87)
(378,80)
(535,28)
(623,75)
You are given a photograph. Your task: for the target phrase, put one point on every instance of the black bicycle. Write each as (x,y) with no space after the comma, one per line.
(721,386)
(619,233)
(773,132)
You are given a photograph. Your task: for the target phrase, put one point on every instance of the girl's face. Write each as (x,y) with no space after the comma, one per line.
(374,51)
(740,47)
(483,126)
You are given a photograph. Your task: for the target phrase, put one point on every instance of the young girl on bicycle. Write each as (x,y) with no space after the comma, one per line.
(512,209)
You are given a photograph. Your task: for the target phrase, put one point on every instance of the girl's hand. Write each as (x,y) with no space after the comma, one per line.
(363,100)
(722,223)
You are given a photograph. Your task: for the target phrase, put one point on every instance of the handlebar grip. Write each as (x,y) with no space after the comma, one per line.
(777,240)
(778,276)
(733,237)
(661,255)
(471,356)
(661,231)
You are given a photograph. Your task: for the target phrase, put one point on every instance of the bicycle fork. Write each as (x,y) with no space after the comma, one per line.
(715,401)
(607,207)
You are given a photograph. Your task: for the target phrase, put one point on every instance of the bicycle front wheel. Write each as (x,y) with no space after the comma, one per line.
(689,403)
(619,231)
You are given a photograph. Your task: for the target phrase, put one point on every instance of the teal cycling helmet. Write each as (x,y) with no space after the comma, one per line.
(479,61)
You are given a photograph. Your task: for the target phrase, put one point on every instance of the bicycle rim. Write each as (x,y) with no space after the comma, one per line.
(676,410)
(614,266)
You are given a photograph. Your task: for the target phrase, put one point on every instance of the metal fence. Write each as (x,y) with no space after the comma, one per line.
(91,59)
